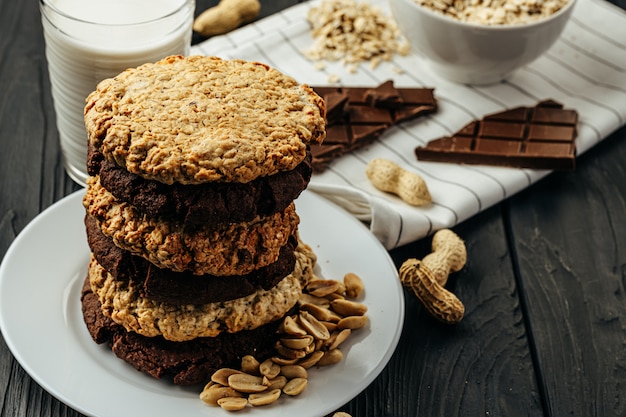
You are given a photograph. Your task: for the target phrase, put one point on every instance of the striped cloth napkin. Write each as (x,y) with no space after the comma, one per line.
(585,71)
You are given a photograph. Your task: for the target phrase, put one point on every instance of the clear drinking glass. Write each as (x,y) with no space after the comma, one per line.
(90,40)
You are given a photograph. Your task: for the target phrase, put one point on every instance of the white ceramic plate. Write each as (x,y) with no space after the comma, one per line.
(41,320)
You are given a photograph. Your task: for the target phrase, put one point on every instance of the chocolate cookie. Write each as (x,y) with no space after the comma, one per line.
(202,204)
(184,363)
(199,119)
(225,249)
(180,288)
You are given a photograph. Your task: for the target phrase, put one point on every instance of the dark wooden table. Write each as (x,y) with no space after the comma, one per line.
(544,287)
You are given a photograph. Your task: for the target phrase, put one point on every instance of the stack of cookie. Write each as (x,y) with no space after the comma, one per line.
(194,166)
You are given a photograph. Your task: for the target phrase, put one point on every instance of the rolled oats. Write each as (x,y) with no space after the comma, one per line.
(495,12)
(353,32)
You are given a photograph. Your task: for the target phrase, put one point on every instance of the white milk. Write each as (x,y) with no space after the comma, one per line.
(90,40)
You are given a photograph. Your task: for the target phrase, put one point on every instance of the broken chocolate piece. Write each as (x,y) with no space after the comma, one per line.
(385,96)
(356,116)
(335,101)
(540,137)
(415,102)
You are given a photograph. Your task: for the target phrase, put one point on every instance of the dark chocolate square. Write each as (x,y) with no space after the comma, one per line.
(540,137)
(356,116)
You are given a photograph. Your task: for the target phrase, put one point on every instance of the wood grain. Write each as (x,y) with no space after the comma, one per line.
(544,287)
(571,250)
(482,365)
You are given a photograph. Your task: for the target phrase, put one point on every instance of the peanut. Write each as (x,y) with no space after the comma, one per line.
(221,375)
(297,342)
(250,365)
(428,277)
(269,369)
(389,177)
(294,371)
(311,360)
(353,284)
(307,298)
(276,383)
(213,392)
(313,326)
(352,322)
(348,308)
(264,398)
(331,326)
(246,383)
(289,353)
(232,403)
(295,386)
(330,357)
(320,313)
(290,326)
(226,16)
(338,338)
(323,287)
(282,361)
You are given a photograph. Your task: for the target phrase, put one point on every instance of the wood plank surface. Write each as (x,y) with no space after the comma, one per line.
(479,367)
(544,287)
(570,245)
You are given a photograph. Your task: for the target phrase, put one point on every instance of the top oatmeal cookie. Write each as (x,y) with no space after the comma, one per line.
(198,119)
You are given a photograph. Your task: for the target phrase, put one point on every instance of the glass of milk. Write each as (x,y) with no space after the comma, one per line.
(90,40)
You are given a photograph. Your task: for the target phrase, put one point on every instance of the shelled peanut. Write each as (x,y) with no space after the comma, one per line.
(328,313)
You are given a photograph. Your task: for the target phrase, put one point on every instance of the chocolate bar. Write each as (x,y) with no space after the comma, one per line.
(540,137)
(356,116)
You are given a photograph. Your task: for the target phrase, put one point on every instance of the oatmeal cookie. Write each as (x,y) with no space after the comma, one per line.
(164,285)
(183,363)
(226,249)
(121,301)
(197,119)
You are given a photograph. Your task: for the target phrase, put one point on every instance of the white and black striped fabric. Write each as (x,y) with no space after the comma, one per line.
(585,71)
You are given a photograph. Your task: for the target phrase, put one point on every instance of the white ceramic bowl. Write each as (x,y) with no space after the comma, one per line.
(471,53)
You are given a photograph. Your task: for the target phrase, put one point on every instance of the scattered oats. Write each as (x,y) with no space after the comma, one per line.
(374,62)
(333,78)
(320,65)
(404,48)
(353,32)
(495,12)
(352,69)
(397,70)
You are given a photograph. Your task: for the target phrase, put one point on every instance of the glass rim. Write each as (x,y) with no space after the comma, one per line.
(47,4)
